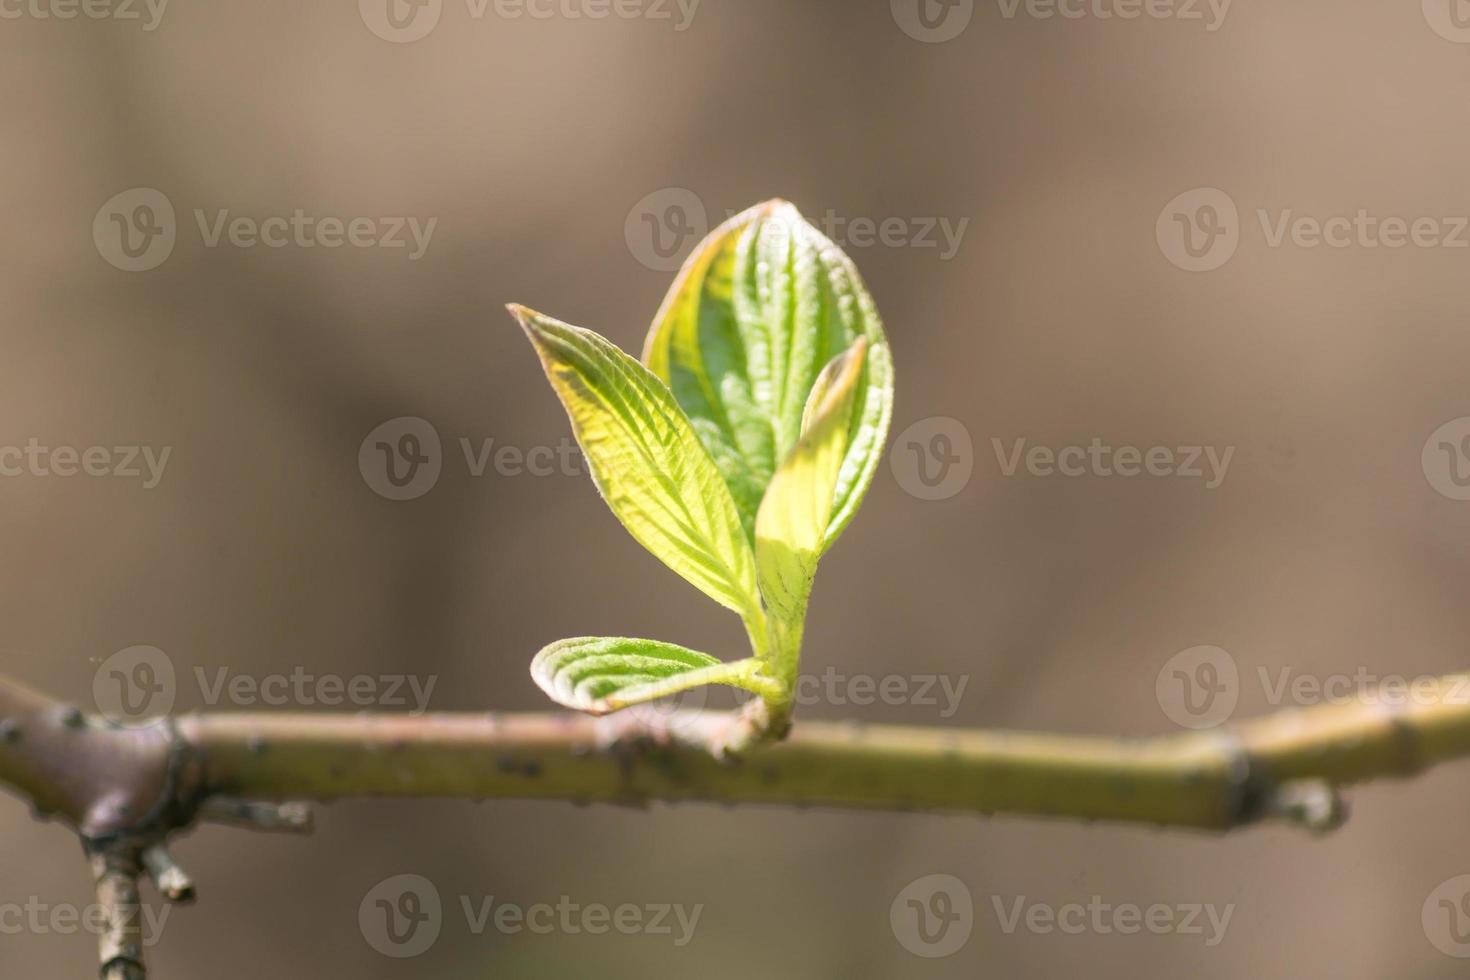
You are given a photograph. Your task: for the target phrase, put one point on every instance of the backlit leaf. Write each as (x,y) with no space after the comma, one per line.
(791,528)
(760,306)
(602,674)
(647,461)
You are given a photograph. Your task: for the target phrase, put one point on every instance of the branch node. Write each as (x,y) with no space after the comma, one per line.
(1311,803)
(287,818)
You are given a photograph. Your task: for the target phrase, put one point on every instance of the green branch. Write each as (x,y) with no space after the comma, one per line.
(1287,766)
(127,791)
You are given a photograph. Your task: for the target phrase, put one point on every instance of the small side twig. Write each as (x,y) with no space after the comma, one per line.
(171,880)
(281,818)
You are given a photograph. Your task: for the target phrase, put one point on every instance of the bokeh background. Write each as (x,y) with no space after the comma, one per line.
(538,146)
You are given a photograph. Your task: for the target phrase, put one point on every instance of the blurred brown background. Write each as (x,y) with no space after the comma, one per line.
(534,143)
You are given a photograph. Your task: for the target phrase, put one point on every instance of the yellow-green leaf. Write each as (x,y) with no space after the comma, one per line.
(760,306)
(646,460)
(600,674)
(791,528)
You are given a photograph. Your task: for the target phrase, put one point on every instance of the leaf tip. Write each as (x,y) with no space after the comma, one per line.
(775,206)
(539,327)
(836,383)
(524,315)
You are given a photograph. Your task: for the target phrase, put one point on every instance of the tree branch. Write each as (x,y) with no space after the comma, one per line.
(1285,766)
(127,790)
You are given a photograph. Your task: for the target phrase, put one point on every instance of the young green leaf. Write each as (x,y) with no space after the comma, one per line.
(647,461)
(602,674)
(762,304)
(791,528)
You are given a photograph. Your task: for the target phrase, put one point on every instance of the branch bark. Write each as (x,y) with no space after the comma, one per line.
(1287,766)
(127,790)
